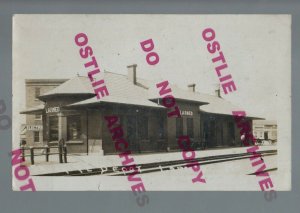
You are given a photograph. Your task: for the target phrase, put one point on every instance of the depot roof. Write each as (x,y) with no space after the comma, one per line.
(221,106)
(120,89)
(34,110)
(179,94)
(74,86)
(117,100)
(123,91)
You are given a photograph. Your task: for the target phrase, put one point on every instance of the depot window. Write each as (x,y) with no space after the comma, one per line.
(179,127)
(190,127)
(161,128)
(38,117)
(231,130)
(143,127)
(36,136)
(73,127)
(53,128)
(212,128)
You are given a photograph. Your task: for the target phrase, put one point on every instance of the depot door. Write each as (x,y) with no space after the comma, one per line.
(132,134)
(266,136)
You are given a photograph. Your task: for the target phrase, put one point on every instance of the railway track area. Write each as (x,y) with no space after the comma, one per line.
(159,166)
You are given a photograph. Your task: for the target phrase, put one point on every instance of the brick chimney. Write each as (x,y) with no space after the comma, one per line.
(132,73)
(191,87)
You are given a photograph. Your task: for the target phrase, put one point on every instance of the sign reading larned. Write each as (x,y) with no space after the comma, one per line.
(52,109)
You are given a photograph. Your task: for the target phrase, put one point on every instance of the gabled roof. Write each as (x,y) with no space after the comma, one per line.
(218,105)
(121,91)
(77,85)
(33,110)
(118,100)
(209,103)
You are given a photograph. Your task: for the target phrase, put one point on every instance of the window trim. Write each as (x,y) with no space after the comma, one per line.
(187,127)
(38,119)
(161,123)
(181,131)
(49,136)
(143,120)
(80,132)
(231,129)
(34,137)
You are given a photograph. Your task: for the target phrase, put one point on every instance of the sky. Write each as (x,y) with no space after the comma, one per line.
(256,47)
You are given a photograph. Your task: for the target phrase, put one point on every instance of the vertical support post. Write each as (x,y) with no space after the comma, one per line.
(32,155)
(47,153)
(60,153)
(65,153)
(87,132)
(62,126)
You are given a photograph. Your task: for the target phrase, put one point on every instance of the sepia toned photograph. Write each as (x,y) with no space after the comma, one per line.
(152,103)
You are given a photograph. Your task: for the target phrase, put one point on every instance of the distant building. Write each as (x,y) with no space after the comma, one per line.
(33,130)
(265,130)
(69,110)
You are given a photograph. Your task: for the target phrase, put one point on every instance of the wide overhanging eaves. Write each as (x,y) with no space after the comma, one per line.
(34,110)
(182,99)
(116,100)
(230,114)
(45,97)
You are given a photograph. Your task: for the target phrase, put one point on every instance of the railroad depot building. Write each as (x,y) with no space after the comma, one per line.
(68,109)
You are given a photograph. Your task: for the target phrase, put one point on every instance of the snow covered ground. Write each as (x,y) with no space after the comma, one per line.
(222,176)
(228,176)
(80,162)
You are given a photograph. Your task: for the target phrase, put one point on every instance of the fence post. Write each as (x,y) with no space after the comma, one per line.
(32,155)
(60,153)
(65,153)
(47,153)
(23,152)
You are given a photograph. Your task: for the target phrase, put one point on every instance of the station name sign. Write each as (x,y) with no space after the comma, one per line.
(185,112)
(52,109)
(34,127)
